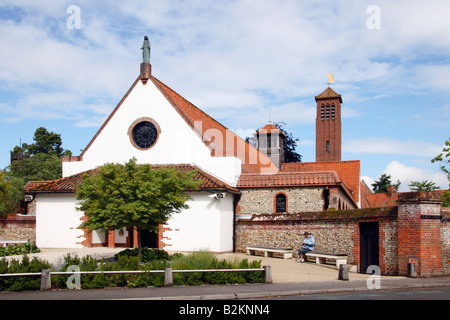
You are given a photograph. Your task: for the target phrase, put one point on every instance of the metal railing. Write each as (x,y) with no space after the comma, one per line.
(168,274)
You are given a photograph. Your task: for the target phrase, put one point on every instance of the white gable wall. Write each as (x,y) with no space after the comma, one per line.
(177,142)
(57,221)
(206,225)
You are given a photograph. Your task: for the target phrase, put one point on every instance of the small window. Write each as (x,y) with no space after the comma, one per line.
(328,146)
(322,112)
(280,203)
(328,111)
(333,111)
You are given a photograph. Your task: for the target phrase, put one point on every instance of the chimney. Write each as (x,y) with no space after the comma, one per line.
(146,71)
(391,190)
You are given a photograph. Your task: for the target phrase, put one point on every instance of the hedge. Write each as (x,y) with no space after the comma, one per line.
(127,261)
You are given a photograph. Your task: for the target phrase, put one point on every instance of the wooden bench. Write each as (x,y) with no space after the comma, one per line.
(5,243)
(269,251)
(321,257)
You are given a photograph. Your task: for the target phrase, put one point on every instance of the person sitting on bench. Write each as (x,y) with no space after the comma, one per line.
(308,245)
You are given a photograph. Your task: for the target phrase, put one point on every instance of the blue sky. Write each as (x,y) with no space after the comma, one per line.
(240,61)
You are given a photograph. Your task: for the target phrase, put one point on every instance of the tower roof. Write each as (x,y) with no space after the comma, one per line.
(270,128)
(329,94)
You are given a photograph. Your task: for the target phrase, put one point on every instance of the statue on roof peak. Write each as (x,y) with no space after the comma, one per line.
(146,50)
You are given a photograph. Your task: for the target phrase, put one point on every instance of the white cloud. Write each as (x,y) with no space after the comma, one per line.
(405,174)
(271,52)
(368,180)
(387,145)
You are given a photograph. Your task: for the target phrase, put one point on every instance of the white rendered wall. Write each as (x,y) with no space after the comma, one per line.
(177,142)
(57,221)
(206,225)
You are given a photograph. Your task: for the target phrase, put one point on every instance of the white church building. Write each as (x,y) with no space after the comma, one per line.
(155,125)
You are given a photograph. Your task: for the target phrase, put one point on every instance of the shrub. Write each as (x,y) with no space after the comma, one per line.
(127,261)
(207,260)
(24,248)
(22,266)
(146,254)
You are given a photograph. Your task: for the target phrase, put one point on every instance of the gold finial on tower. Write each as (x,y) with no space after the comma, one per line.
(330,79)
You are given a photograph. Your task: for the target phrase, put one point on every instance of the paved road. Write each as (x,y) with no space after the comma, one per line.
(405,294)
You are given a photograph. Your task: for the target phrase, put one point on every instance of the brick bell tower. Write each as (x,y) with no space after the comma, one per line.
(328,126)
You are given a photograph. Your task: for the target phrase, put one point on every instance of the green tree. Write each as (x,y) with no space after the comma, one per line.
(37,168)
(290,143)
(45,142)
(383,184)
(5,190)
(133,196)
(443,159)
(41,161)
(42,158)
(11,194)
(426,185)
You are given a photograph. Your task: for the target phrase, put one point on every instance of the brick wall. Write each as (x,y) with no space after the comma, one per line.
(445,240)
(416,231)
(304,199)
(419,233)
(14,227)
(336,231)
(261,200)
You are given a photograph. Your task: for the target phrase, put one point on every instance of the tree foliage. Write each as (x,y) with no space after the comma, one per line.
(133,196)
(45,142)
(443,159)
(290,143)
(39,161)
(426,185)
(383,184)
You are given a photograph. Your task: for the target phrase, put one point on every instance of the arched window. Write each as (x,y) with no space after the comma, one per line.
(280,203)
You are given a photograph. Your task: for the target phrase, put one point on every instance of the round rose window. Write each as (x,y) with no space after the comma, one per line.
(144,134)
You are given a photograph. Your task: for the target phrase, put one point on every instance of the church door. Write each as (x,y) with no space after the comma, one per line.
(149,239)
(369,248)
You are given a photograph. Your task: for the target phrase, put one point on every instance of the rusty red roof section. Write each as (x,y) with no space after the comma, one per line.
(348,171)
(389,199)
(270,128)
(221,141)
(328,94)
(290,179)
(70,184)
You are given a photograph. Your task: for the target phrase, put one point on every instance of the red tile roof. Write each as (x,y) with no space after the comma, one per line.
(329,94)
(288,179)
(380,200)
(253,161)
(70,184)
(348,171)
(387,199)
(269,128)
